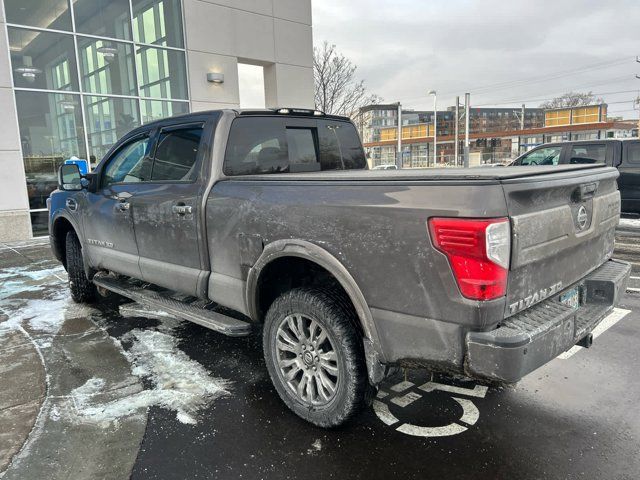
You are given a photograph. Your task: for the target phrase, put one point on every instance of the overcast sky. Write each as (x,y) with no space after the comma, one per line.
(533,49)
(405,48)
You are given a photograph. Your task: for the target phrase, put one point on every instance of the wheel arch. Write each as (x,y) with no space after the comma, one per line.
(301,249)
(60,226)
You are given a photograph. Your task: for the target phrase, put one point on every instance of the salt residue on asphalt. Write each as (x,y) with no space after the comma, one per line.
(179,383)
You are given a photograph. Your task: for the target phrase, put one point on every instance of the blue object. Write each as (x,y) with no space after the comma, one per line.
(81,163)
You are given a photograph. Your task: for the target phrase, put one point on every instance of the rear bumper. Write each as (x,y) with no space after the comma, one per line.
(539,334)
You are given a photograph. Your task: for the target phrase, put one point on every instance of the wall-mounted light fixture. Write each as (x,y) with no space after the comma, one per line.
(109,53)
(214,77)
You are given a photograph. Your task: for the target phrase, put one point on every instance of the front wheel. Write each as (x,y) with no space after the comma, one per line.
(314,355)
(82,289)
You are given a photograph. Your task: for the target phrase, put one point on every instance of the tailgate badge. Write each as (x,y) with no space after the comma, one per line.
(582,218)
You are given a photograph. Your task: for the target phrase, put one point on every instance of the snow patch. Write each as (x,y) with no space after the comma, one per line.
(315,447)
(179,383)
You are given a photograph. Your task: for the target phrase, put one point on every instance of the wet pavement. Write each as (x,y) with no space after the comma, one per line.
(90,393)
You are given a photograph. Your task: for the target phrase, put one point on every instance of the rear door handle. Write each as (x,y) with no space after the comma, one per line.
(182,209)
(583,192)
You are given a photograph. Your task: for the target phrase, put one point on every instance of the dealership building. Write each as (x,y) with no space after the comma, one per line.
(75,75)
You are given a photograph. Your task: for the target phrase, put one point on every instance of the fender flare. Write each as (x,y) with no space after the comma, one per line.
(318,255)
(56,217)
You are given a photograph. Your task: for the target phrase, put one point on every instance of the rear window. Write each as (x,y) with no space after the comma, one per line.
(588,154)
(262,145)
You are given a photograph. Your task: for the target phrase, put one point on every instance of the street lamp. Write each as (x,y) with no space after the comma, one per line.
(435,125)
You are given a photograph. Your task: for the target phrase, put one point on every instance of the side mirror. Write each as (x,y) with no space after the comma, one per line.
(70,178)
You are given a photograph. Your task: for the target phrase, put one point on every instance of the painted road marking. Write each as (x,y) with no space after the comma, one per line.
(470,413)
(478,391)
(634,278)
(609,321)
(632,289)
(381,394)
(402,386)
(407,399)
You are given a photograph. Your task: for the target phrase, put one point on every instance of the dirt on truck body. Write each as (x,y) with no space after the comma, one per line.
(235,218)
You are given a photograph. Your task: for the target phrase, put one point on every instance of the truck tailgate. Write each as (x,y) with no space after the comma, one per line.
(563,227)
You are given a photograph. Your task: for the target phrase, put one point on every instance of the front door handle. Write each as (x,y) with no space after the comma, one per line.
(182,209)
(123,206)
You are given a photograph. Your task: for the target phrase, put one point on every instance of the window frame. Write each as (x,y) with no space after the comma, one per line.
(537,149)
(627,157)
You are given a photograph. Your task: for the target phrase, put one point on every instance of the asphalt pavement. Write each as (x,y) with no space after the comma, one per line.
(111,392)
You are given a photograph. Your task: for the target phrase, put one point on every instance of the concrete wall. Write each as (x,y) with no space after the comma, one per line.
(15,222)
(275,34)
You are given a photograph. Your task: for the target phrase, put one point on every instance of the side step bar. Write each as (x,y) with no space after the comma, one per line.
(224,324)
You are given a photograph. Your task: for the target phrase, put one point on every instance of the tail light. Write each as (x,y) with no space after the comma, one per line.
(478,252)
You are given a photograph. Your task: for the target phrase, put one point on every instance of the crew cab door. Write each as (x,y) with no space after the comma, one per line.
(166,211)
(107,216)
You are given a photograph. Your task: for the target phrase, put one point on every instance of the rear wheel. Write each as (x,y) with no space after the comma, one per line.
(315,357)
(82,289)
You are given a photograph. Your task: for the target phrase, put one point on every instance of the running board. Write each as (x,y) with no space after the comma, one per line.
(224,324)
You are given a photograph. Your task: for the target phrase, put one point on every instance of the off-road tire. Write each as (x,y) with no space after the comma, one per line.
(82,289)
(332,311)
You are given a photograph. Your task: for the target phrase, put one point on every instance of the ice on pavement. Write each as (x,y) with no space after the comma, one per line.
(179,383)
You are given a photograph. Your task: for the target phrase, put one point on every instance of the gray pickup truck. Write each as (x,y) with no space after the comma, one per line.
(270,219)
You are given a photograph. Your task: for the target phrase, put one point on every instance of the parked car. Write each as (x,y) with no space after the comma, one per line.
(385,167)
(234,219)
(623,154)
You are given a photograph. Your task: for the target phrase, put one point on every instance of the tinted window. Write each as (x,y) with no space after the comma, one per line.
(588,154)
(256,146)
(130,164)
(541,156)
(261,145)
(303,155)
(340,147)
(176,155)
(633,152)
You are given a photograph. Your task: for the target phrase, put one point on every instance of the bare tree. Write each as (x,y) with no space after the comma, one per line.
(337,91)
(572,99)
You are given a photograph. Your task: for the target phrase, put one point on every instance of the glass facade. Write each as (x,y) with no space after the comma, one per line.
(85,72)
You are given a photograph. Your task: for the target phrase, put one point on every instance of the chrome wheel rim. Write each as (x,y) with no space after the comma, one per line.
(307,360)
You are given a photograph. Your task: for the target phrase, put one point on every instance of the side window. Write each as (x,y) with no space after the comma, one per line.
(542,156)
(256,145)
(588,154)
(633,152)
(176,155)
(130,164)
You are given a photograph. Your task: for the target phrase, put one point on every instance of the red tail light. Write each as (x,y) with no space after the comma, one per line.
(478,252)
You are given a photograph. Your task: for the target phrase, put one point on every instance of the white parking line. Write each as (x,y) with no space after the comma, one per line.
(634,278)
(631,289)
(611,319)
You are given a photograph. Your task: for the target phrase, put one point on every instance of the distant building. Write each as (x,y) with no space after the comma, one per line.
(496,134)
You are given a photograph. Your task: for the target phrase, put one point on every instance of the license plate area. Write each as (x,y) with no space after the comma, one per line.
(571,298)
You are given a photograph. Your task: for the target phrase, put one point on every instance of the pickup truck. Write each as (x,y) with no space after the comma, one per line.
(245,220)
(624,154)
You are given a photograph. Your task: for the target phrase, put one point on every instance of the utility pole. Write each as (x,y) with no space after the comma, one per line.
(522,117)
(638,100)
(467,100)
(399,135)
(457,131)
